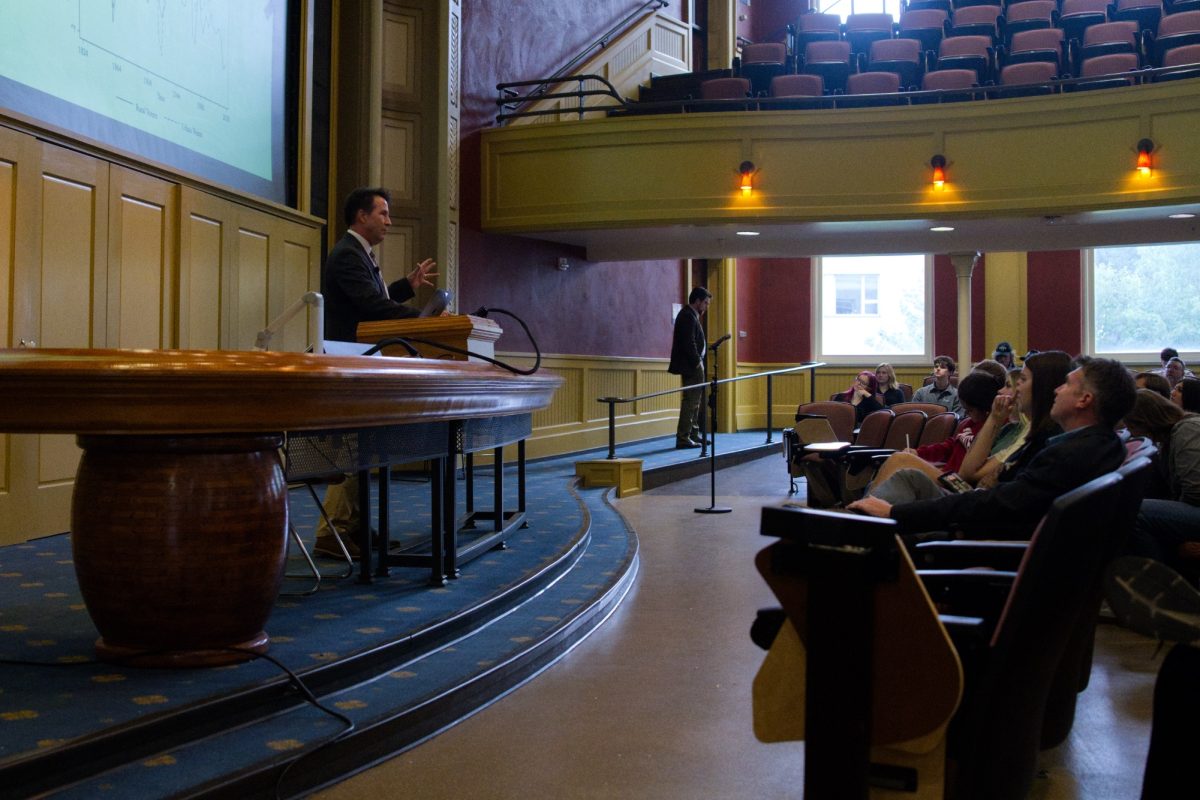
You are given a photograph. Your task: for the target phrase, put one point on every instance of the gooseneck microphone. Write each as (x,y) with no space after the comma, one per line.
(722,340)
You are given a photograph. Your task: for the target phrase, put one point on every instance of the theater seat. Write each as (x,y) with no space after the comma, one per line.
(1076,16)
(1030,78)
(976,21)
(968,52)
(1146,13)
(1179,59)
(947,80)
(760,62)
(797,86)
(725,89)
(884,88)
(1109,37)
(1175,30)
(862,29)
(816,28)
(1028,16)
(1037,45)
(905,57)
(926,25)
(830,60)
(1108,72)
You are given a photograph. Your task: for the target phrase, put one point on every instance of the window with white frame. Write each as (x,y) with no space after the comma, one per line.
(873,308)
(1141,299)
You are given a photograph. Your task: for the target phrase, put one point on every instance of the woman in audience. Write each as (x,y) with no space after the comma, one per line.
(1002,434)
(976,393)
(863,394)
(1186,395)
(889,387)
(1153,381)
(1042,374)
(1163,524)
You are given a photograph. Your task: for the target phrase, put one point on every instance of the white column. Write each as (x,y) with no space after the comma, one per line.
(964,265)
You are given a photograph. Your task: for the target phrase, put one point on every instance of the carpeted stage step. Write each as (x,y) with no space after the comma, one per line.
(400,659)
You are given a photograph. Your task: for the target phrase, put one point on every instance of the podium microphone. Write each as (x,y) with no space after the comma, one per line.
(721,341)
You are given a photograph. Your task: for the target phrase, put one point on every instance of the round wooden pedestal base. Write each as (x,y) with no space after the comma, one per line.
(179,545)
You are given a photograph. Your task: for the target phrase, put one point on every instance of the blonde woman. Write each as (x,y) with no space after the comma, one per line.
(889,387)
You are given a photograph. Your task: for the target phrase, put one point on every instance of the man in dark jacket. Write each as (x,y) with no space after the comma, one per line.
(354,292)
(1087,407)
(351,281)
(687,361)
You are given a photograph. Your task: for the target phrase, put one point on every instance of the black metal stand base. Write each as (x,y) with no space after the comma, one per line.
(713,510)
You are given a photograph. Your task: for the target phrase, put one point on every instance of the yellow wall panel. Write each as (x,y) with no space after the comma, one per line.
(68,259)
(253,267)
(400,62)
(144,275)
(296,260)
(601,382)
(202,288)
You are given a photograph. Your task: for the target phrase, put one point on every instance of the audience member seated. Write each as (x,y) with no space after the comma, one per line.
(1164,357)
(1088,406)
(925,465)
(1154,381)
(1164,524)
(889,387)
(863,394)
(1003,434)
(940,391)
(1175,371)
(1004,355)
(1186,395)
(993,368)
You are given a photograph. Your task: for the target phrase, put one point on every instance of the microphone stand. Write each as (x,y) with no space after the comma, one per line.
(713,508)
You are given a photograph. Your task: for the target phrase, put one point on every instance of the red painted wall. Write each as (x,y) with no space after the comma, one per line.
(1055,301)
(774,308)
(945,307)
(598,309)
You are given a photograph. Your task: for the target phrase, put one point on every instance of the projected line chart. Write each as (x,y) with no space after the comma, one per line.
(184,43)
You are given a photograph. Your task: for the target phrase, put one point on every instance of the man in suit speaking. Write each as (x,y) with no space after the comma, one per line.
(352,283)
(355,292)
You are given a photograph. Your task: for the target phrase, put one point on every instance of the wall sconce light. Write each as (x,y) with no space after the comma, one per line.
(746,182)
(938,163)
(1145,164)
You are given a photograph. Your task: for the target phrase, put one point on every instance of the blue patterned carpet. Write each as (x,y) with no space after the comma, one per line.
(396,655)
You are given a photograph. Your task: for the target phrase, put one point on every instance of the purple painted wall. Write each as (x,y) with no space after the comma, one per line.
(593,309)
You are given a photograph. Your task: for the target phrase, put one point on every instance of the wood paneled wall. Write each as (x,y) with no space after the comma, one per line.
(94,253)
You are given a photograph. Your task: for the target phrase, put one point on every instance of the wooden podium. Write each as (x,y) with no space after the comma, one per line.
(462,331)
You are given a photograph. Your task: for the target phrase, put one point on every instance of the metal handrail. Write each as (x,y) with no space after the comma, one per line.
(769,374)
(564,73)
(579,94)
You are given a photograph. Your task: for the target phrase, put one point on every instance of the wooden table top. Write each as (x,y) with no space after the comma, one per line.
(100,391)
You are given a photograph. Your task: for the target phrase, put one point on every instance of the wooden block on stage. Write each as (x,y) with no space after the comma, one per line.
(462,331)
(623,473)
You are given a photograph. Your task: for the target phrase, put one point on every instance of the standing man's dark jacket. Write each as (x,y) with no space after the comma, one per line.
(354,291)
(687,343)
(1013,509)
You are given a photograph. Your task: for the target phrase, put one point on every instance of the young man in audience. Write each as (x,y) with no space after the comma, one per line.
(940,391)
(1088,406)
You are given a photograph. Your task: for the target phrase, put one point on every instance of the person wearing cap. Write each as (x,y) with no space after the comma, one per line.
(1004,355)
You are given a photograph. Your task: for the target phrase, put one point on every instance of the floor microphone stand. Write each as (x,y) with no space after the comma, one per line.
(713,508)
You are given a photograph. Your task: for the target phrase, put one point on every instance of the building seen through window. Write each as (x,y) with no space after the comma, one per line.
(873,306)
